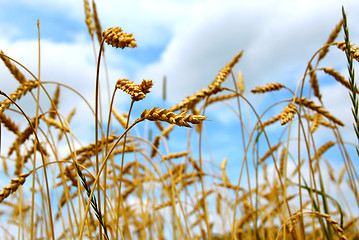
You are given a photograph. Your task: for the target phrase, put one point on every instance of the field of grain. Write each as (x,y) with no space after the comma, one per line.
(149,173)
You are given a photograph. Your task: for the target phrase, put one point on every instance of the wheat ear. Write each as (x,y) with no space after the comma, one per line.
(8,123)
(20,91)
(319,109)
(97,22)
(353,50)
(15,183)
(330,40)
(314,82)
(119,39)
(353,86)
(182,120)
(213,88)
(288,113)
(337,76)
(270,87)
(88,18)
(12,68)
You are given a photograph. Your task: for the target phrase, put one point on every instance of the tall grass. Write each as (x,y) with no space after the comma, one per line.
(127,186)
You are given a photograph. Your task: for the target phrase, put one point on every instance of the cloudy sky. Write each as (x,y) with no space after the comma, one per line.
(188,41)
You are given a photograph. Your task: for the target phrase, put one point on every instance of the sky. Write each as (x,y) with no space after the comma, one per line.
(186,41)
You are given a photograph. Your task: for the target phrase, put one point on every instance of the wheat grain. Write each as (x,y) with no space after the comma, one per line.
(269,88)
(288,113)
(119,39)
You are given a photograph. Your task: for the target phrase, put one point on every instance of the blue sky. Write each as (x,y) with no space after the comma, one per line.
(189,42)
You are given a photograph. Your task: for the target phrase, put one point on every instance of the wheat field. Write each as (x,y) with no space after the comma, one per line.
(149,174)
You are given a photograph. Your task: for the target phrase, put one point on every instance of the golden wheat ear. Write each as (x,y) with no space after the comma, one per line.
(182,120)
(119,39)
